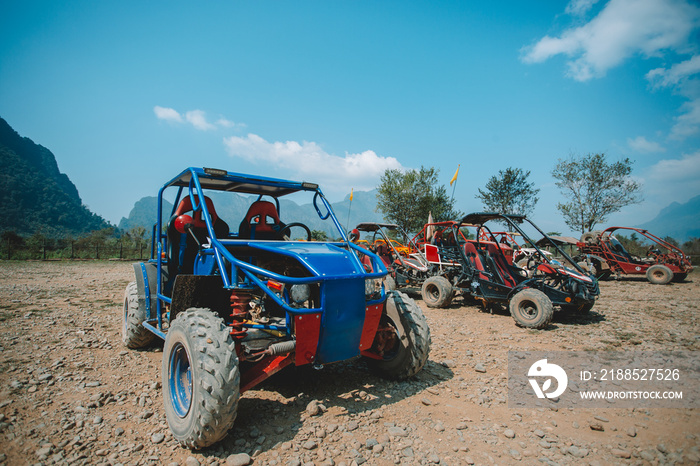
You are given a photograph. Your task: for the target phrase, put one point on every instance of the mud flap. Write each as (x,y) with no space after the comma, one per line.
(146,275)
(205,291)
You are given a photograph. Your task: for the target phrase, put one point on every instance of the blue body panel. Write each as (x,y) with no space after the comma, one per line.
(322,258)
(343,319)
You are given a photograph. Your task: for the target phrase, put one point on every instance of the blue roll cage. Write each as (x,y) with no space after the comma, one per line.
(195,180)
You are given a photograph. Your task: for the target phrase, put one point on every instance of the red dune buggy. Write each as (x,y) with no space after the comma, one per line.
(662,263)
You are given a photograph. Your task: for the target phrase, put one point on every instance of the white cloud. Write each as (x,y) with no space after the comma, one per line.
(199,120)
(579,7)
(224,123)
(672,170)
(681,78)
(662,77)
(308,160)
(667,181)
(621,30)
(167,114)
(196,118)
(641,144)
(688,122)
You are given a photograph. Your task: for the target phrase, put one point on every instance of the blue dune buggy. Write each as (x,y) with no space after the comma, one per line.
(235,306)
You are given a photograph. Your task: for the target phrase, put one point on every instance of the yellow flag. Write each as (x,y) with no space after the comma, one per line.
(351,190)
(454,178)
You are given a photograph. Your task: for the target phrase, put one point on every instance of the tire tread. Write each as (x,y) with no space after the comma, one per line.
(218,385)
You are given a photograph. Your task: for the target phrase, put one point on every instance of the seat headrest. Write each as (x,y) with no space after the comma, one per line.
(186,206)
(258,213)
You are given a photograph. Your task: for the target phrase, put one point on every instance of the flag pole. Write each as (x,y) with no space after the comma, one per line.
(349,207)
(454,180)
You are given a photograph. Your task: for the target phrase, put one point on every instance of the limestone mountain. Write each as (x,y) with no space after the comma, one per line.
(679,221)
(35,197)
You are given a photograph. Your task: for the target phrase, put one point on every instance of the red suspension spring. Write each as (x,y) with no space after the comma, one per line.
(239,312)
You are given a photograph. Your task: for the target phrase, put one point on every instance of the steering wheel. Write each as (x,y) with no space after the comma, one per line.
(532,263)
(287,230)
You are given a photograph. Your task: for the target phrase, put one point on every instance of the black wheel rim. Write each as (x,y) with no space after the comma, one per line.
(528,310)
(433,292)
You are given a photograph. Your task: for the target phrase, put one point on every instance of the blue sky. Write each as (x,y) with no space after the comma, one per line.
(126,94)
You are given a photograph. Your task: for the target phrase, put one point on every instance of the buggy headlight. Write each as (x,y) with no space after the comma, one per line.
(300,293)
(373,287)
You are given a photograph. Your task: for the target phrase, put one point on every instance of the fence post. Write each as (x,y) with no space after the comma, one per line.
(120,249)
(72,246)
(44,248)
(97,251)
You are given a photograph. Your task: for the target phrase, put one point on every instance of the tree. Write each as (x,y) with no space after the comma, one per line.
(672,240)
(595,189)
(406,198)
(509,192)
(319,235)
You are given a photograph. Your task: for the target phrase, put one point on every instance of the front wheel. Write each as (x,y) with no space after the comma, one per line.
(531,308)
(437,292)
(402,340)
(201,379)
(659,274)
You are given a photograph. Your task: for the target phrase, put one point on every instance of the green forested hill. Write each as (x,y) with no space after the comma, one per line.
(35,197)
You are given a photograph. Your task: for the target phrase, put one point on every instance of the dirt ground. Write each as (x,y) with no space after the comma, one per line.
(70,393)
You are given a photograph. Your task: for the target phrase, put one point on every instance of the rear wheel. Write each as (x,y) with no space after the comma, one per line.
(134,335)
(659,274)
(403,339)
(201,379)
(437,292)
(531,308)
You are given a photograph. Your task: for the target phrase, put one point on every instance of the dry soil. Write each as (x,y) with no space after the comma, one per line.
(70,393)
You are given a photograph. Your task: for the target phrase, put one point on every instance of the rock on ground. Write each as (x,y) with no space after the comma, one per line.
(70,393)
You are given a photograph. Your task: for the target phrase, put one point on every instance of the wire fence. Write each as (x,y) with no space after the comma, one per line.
(74,249)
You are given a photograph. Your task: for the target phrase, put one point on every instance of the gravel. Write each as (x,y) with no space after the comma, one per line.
(70,393)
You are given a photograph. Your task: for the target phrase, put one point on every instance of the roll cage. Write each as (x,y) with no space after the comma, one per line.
(217,256)
(481,218)
(621,261)
(675,254)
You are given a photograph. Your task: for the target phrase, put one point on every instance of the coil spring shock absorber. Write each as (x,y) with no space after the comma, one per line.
(239,312)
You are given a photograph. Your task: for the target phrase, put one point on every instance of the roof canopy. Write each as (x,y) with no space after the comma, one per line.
(479,218)
(372,226)
(221,180)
